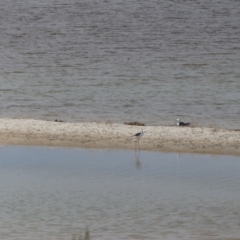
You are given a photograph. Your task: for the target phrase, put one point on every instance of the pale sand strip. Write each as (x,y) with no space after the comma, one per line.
(118,136)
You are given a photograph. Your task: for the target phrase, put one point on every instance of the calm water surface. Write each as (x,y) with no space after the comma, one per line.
(151,61)
(53,193)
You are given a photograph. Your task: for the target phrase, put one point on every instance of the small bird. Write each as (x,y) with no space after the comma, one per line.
(182,124)
(138,136)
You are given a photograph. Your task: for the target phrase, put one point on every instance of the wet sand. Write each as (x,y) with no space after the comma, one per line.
(118,136)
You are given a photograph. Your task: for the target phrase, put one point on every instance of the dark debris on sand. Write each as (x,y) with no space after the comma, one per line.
(135,123)
(58,120)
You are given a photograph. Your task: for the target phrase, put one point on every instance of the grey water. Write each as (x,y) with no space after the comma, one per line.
(54,193)
(151,61)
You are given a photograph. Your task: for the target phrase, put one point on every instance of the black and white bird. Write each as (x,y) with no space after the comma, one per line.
(139,134)
(182,124)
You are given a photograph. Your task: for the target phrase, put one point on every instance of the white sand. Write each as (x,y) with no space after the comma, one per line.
(118,136)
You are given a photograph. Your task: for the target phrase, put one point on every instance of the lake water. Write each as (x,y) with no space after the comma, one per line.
(53,193)
(151,61)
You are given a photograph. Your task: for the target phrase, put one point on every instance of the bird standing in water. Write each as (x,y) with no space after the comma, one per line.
(138,136)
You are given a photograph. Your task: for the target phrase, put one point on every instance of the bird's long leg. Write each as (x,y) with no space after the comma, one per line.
(138,152)
(136,149)
(138,145)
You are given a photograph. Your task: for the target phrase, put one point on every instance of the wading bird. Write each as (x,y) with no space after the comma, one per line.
(138,136)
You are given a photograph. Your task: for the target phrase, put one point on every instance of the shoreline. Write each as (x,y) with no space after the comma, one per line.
(118,136)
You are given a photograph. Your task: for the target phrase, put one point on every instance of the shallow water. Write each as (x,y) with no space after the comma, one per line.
(118,60)
(53,193)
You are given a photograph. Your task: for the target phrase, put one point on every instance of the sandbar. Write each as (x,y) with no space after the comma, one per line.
(119,136)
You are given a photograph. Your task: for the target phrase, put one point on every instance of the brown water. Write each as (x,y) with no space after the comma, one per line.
(151,61)
(53,193)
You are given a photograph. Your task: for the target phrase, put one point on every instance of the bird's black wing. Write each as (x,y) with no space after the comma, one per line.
(137,134)
(184,124)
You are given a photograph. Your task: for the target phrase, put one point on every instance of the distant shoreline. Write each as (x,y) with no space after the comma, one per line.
(118,136)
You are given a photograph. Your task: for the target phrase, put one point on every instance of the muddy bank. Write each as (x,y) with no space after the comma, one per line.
(118,136)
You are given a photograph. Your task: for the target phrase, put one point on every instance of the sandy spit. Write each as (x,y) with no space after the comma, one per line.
(118,136)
